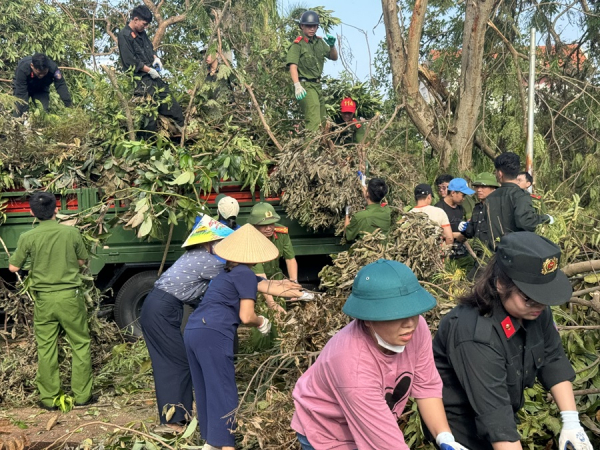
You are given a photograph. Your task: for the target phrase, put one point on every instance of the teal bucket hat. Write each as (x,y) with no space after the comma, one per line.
(387,290)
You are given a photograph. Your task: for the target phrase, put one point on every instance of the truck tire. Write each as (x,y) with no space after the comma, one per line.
(129,301)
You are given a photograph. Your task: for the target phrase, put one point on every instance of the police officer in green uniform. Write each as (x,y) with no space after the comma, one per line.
(306,58)
(264,218)
(54,253)
(374,216)
(353,131)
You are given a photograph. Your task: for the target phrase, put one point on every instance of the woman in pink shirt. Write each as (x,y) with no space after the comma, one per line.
(352,396)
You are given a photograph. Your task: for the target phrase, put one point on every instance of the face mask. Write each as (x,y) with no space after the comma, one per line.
(390,347)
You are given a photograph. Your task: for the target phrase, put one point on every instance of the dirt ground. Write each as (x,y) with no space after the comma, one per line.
(34,428)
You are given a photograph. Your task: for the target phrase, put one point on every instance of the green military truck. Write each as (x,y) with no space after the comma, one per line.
(126,267)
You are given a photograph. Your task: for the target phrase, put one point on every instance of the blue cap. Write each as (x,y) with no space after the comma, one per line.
(460,185)
(387,290)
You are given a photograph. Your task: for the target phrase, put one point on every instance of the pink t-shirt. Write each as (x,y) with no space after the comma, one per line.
(354,393)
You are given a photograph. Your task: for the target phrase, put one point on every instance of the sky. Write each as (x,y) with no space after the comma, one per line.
(361,30)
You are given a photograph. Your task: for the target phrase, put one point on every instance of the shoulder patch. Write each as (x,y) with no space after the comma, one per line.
(536,197)
(282,230)
(297,40)
(58,75)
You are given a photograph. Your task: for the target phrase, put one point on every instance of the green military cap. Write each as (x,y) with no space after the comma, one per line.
(387,290)
(531,262)
(485,179)
(263,214)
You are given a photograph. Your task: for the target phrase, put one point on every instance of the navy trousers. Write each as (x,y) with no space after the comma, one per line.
(161,319)
(210,355)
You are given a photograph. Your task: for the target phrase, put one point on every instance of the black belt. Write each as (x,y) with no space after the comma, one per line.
(311,80)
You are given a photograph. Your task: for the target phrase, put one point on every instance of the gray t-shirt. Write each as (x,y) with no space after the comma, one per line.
(189,277)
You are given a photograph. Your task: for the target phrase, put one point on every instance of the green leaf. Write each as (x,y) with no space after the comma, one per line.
(145,228)
(160,165)
(190,428)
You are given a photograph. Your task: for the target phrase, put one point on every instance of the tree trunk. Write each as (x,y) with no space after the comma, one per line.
(470,89)
(404,63)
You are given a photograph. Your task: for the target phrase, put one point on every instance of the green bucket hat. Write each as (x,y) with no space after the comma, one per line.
(263,214)
(485,179)
(387,290)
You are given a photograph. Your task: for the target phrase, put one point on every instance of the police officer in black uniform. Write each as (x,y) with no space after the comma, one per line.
(501,338)
(33,78)
(137,54)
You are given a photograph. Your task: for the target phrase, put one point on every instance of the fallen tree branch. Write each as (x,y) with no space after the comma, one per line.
(577,393)
(129,118)
(66,436)
(586,291)
(252,96)
(580,267)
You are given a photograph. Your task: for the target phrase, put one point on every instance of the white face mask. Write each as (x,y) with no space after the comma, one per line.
(390,347)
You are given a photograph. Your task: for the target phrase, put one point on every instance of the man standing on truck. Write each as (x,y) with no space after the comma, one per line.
(55,252)
(33,78)
(264,218)
(137,54)
(306,58)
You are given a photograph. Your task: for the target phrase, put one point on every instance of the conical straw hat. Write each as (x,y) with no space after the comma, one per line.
(246,245)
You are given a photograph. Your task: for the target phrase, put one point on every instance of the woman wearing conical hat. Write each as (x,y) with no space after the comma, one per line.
(209,333)
(185,282)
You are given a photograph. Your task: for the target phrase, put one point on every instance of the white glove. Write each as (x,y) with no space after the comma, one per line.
(445,441)
(154,74)
(299,91)
(572,432)
(551,219)
(158,62)
(462,226)
(307,296)
(266,325)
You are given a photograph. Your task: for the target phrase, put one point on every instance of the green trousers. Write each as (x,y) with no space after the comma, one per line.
(55,311)
(313,105)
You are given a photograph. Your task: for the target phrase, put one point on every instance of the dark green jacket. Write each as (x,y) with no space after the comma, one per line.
(509,209)
(368,220)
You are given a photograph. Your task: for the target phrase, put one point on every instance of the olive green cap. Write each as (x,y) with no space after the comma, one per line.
(485,179)
(263,214)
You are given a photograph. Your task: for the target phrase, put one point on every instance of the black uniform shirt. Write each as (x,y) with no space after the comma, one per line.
(478,227)
(135,50)
(455,215)
(509,209)
(486,363)
(26,83)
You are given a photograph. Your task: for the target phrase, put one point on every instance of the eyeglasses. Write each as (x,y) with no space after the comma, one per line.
(530,303)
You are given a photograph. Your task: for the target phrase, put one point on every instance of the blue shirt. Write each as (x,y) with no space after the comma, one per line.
(188,278)
(220,307)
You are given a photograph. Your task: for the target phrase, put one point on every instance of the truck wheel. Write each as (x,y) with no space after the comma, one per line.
(129,301)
